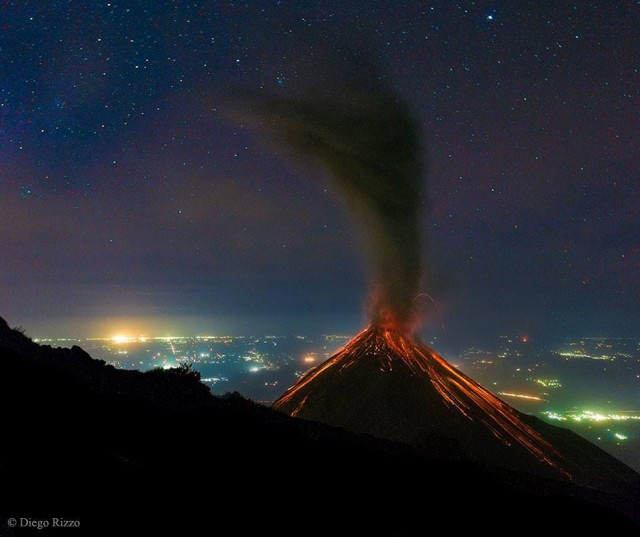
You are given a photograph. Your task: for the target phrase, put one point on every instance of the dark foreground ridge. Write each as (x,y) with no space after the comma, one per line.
(131,453)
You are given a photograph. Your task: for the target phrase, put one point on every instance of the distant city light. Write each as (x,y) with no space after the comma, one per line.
(620,436)
(549,383)
(588,415)
(584,355)
(214,380)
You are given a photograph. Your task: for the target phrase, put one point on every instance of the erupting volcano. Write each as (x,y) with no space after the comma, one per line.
(390,386)
(395,387)
(387,385)
(386,382)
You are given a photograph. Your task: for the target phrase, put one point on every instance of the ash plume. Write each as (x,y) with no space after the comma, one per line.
(343,113)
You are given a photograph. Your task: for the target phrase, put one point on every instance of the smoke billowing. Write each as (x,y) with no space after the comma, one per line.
(345,115)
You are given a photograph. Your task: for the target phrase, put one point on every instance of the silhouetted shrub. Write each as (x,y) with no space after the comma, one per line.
(186,370)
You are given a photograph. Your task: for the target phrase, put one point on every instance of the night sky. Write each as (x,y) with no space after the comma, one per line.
(129,200)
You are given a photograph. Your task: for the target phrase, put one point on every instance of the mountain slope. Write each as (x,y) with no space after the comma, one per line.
(392,387)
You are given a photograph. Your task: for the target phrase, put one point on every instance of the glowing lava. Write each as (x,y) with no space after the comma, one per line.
(393,386)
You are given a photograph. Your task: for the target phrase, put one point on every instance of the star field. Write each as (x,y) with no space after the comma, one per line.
(124,190)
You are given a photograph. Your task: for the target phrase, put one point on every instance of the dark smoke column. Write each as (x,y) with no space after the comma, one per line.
(348,119)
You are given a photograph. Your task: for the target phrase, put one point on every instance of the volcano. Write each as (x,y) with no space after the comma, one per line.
(352,123)
(395,387)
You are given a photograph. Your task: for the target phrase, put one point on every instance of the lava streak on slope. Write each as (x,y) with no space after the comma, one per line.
(441,395)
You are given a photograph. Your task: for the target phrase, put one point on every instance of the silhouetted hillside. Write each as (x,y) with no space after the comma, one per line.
(130,453)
